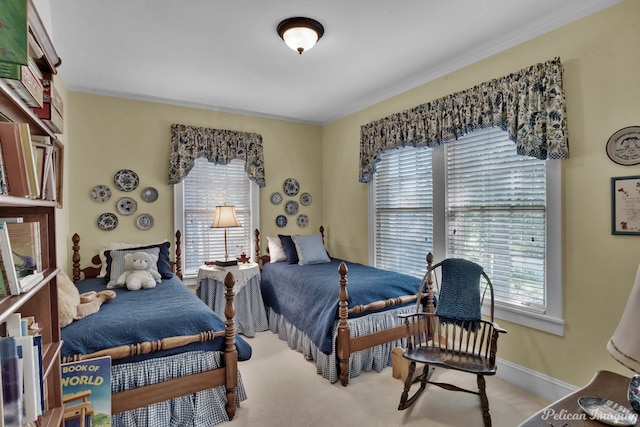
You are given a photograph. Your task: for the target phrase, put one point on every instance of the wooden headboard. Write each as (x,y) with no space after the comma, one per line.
(93,270)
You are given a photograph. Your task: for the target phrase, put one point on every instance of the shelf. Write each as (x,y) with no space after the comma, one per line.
(9,201)
(13,303)
(13,109)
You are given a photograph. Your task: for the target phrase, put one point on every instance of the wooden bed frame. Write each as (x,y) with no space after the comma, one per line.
(345,344)
(226,375)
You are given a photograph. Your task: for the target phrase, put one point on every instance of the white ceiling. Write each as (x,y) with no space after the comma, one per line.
(226,55)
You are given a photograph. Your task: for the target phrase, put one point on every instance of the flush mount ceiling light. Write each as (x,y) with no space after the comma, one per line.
(299,33)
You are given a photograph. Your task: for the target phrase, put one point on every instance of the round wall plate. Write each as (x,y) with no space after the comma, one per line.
(281,221)
(126,206)
(107,221)
(302,220)
(623,147)
(291,207)
(100,193)
(149,194)
(291,187)
(126,180)
(305,199)
(276,198)
(144,221)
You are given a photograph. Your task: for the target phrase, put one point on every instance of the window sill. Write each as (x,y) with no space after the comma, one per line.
(531,319)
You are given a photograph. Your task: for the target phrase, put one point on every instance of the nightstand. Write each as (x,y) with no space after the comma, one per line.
(566,412)
(251,316)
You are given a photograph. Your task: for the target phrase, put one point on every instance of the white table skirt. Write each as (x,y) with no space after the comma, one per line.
(251,316)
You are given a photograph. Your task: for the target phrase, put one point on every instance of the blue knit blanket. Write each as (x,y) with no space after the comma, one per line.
(459,299)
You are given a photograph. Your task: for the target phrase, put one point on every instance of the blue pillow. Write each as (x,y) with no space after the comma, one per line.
(310,249)
(289,248)
(164,266)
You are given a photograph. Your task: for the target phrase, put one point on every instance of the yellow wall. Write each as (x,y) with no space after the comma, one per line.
(107,134)
(601,61)
(602,82)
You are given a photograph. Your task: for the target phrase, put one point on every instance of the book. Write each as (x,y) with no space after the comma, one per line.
(13,155)
(24,81)
(43,153)
(37,341)
(52,110)
(29,160)
(4,182)
(13,31)
(30,386)
(11,386)
(24,238)
(7,258)
(86,391)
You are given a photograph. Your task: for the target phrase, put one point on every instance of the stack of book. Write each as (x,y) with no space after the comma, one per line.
(27,59)
(30,165)
(22,385)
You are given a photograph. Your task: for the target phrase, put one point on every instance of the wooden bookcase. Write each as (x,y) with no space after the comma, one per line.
(42,300)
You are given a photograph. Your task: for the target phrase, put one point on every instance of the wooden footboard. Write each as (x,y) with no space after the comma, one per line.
(142,396)
(346,345)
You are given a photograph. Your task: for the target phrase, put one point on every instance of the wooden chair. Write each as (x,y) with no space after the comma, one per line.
(453,335)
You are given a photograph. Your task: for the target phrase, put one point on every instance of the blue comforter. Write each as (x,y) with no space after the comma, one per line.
(169,309)
(307,295)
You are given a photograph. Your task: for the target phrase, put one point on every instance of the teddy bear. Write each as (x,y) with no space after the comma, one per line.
(138,272)
(72,305)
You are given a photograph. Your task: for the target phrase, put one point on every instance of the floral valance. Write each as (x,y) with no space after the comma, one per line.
(219,146)
(528,104)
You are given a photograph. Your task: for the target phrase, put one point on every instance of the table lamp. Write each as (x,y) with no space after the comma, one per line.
(225,217)
(624,345)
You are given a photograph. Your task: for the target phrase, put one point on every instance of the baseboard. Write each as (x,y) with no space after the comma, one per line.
(542,385)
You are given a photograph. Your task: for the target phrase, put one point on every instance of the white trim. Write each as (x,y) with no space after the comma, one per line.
(539,384)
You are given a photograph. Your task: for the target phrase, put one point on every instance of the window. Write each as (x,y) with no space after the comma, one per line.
(486,204)
(209,185)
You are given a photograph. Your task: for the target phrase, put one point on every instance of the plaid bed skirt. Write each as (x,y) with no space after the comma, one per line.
(374,358)
(202,409)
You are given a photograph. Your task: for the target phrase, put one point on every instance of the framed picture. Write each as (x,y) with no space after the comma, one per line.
(625,205)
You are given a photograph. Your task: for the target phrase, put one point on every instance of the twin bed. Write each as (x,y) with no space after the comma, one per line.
(340,314)
(174,361)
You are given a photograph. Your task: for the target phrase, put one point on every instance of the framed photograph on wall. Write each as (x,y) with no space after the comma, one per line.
(625,205)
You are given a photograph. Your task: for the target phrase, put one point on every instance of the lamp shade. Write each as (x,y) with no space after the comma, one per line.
(624,345)
(300,34)
(225,217)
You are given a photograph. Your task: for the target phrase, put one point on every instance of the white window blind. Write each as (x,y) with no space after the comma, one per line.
(209,185)
(404,210)
(496,214)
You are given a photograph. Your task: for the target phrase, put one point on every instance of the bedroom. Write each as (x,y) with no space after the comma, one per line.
(603,95)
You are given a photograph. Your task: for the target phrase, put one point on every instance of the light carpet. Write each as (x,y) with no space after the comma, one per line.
(284,390)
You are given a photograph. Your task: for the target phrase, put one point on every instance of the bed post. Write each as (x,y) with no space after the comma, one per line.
(178,251)
(75,258)
(256,233)
(230,352)
(343,348)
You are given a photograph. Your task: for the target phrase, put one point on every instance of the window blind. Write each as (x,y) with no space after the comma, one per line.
(496,214)
(209,185)
(404,210)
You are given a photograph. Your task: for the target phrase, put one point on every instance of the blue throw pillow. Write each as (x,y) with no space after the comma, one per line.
(289,248)
(311,249)
(164,266)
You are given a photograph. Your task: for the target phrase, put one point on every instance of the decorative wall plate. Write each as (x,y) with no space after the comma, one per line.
(276,198)
(107,221)
(302,220)
(100,193)
(126,180)
(291,187)
(623,147)
(281,221)
(144,221)
(126,206)
(149,194)
(305,199)
(291,207)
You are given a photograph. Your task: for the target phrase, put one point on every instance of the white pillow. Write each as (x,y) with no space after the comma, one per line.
(276,252)
(116,246)
(310,249)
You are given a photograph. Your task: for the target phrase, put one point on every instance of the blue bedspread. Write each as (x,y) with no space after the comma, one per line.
(307,295)
(169,309)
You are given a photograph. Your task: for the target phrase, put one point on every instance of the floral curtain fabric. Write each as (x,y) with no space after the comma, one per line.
(528,104)
(219,146)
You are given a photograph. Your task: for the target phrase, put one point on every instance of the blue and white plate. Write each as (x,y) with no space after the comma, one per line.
(281,221)
(100,193)
(126,180)
(144,222)
(276,198)
(302,220)
(291,207)
(126,206)
(305,199)
(107,221)
(291,187)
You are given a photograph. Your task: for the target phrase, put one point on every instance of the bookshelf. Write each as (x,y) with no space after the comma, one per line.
(42,300)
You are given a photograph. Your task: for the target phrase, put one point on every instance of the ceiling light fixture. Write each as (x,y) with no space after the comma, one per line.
(300,34)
